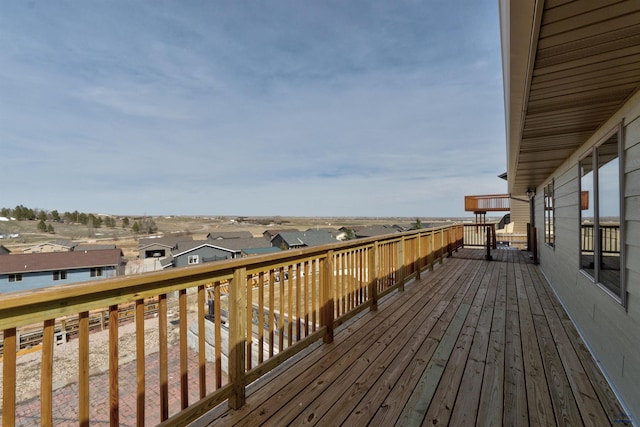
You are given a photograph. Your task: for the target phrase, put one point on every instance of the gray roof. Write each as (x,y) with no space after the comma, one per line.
(93,247)
(223,235)
(307,238)
(229,245)
(169,242)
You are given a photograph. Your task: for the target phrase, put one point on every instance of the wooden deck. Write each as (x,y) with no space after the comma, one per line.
(471,343)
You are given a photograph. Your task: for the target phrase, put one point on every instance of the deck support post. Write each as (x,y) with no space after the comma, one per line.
(326,298)
(441,260)
(237,337)
(373,276)
(430,254)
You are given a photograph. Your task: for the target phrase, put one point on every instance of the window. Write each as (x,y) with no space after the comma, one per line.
(549,214)
(194,259)
(96,272)
(15,278)
(60,275)
(600,201)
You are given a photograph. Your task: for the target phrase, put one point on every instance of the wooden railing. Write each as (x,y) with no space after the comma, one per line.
(275,306)
(609,238)
(487,203)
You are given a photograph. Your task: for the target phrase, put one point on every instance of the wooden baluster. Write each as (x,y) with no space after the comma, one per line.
(202,359)
(326,313)
(217,320)
(46,378)
(249,321)
(140,363)
(114,399)
(237,336)
(184,367)
(297,286)
(272,315)
(83,367)
(9,377)
(164,358)
(261,317)
(373,276)
(289,305)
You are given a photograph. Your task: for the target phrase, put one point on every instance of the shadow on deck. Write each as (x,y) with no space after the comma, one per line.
(473,342)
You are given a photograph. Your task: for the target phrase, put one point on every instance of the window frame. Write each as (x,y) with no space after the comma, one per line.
(549,214)
(15,278)
(593,151)
(193,259)
(60,275)
(96,272)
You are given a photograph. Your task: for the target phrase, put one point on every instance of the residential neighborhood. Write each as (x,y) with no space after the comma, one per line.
(64,261)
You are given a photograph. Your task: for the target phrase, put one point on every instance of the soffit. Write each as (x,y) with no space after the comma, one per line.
(586,65)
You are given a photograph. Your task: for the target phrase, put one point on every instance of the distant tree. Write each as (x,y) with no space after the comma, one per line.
(349,235)
(42,226)
(55,215)
(125,222)
(5,212)
(417,225)
(135,227)
(283,246)
(50,229)
(42,216)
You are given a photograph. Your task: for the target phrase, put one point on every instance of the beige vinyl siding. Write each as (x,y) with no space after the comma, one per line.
(610,330)
(520,215)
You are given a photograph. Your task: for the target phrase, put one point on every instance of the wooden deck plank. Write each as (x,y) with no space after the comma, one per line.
(390,409)
(515,396)
(339,355)
(345,393)
(416,408)
(593,413)
(471,343)
(491,397)
(538,399)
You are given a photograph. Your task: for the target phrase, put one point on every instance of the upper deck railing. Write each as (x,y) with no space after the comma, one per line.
(275,306)
(487,203)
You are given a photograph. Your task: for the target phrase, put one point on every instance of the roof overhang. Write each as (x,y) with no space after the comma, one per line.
(567,68)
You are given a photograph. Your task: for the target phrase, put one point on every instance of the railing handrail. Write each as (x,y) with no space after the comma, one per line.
(403,255)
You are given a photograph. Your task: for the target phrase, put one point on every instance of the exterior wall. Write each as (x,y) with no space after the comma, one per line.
(520,215)
(44,279)
(205,254)
(610,330)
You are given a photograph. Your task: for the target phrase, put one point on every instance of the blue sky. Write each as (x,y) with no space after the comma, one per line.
(301,108)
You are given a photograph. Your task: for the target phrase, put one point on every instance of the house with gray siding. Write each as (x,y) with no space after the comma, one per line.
(22,272)
(571,75)
(200,251)
(300,239)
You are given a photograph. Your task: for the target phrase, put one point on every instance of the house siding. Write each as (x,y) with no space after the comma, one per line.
(610,330)
(41,279)
(204,253)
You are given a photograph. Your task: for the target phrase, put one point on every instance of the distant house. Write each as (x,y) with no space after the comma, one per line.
(20,272)
(93,247)
(224,235)
(300,239)
(201,251)
(270,234)
(52,246)
(158,247)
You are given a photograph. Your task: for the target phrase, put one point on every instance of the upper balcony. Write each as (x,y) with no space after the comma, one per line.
(403,329)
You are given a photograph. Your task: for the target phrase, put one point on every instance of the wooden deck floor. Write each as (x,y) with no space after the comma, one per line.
(472,343)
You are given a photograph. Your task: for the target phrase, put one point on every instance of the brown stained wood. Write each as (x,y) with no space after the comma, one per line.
(46,375)
(272,307)
(184,368)
(585,396)
(289,313)
(281,297)
(83,368)
(538,398)
(351,388)
(249,322)
(308,370)
(218,339)
(140,364)
(9,377)
(298,300)
(164,359)
(491,397)
(114,398)
(261,317)
(237,336)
